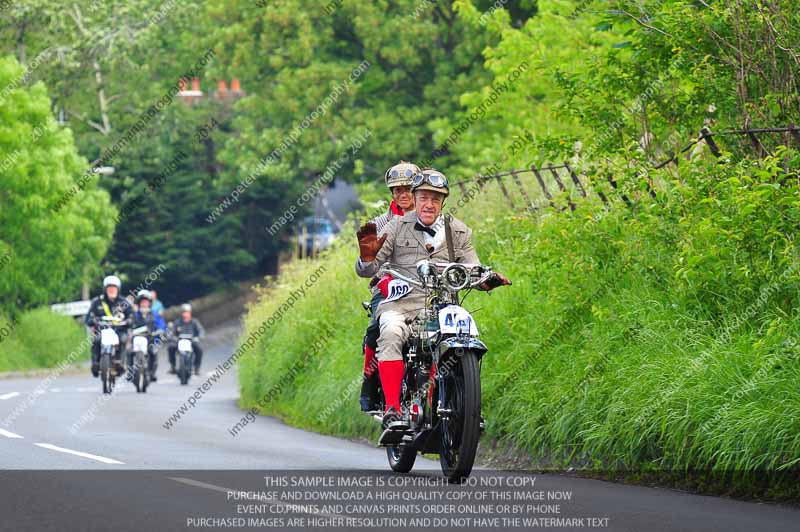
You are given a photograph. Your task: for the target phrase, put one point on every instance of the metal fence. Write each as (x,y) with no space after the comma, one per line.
(562,178)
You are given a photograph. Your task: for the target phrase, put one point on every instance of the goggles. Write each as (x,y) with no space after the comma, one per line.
(395,173)
(434,179)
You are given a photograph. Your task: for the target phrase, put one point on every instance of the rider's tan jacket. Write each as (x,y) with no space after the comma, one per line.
(405,246)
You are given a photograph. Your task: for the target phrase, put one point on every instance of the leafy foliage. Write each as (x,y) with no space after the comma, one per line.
(39,165)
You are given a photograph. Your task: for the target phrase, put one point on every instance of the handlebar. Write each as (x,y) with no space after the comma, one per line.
(452,275)
(398,275)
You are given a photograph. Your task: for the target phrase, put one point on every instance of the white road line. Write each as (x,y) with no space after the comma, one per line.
(8,395)
(292,507)
(8,434)
(102,459)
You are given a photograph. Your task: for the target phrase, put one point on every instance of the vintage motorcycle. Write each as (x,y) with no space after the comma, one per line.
(140,370)
(185,357)
(441,390)
(110,359)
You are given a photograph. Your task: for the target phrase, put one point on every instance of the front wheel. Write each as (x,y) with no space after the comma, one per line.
(461,425)
(105,373)
(184,367)
(140,378)
(401,458)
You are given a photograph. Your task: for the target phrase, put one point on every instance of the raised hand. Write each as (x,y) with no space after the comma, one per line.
(368,242)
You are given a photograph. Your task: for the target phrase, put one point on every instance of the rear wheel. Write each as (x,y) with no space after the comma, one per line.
(460,428)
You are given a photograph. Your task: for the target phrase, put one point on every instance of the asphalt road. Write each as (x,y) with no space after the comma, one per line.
(73,459)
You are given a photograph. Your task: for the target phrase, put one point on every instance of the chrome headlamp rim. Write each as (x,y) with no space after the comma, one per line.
(464,274)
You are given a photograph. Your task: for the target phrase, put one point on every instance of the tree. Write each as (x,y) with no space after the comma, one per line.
(390,68)
(48,248)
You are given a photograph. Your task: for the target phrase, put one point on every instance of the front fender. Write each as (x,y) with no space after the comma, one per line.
(455,344)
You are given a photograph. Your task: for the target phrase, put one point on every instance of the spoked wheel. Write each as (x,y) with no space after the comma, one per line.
(105,373)
(140,378)
(183,371)
(461,429)
(401,457)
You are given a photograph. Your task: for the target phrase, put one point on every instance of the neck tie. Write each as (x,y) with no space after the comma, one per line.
(419,227)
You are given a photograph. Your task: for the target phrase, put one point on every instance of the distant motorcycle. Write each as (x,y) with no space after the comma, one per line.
(140,347)
(185,357)
(441,391)
(109,351)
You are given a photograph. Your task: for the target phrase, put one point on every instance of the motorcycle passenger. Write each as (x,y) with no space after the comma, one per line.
(144,317)
(157,307)
(109,304)
(417,235)
(398,180)
(186,325)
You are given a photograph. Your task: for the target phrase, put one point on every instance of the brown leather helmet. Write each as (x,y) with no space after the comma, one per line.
(401,175)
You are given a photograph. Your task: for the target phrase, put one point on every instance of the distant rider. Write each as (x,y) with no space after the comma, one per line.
(109,305)
(144,317)
(186,325)
(156,305)
(157,308)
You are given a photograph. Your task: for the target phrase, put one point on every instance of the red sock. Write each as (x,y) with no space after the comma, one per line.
(369,361)
(391,372)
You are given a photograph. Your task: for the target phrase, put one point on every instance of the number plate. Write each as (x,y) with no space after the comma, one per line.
(108,337)
(184,345)
(397,289)
(454,319)
(140,343)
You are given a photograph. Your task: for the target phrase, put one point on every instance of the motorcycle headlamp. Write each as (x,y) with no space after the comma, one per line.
(456,276)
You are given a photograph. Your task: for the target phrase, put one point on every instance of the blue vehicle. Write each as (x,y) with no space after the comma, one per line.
(315,234)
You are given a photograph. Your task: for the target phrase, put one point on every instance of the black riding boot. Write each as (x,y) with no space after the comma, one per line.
(369,392)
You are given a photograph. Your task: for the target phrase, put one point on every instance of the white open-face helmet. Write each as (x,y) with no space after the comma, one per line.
(112,280)
(186,307)
(144,294)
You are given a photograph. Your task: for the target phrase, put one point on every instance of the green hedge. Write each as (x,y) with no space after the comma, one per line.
(40,338)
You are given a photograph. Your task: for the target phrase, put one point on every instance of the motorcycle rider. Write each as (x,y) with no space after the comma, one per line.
(109,304)
(419,234)
(186,325)
(144,317)
(398,180)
